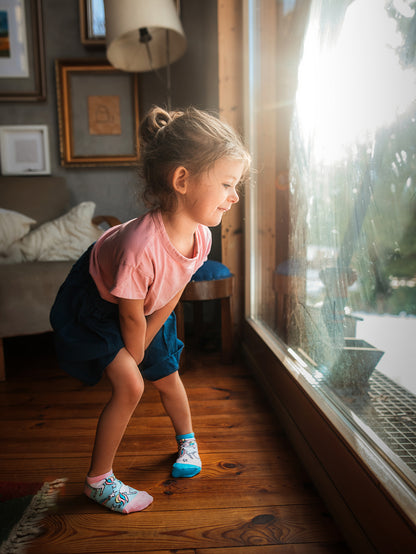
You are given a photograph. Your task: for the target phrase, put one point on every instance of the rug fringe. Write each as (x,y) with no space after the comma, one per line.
(28,527)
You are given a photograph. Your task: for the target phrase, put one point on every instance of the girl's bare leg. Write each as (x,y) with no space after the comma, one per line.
(127,389)
(175,400)
(101,485)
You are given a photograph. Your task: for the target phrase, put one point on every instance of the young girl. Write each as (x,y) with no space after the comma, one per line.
(114,312)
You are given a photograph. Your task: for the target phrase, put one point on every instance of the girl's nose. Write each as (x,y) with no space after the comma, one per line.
(233,197)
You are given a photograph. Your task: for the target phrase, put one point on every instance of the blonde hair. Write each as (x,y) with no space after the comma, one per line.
(191,138)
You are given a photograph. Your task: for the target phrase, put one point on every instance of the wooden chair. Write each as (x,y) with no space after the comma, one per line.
(199,290)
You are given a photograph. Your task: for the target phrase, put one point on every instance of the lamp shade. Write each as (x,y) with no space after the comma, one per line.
(124,18)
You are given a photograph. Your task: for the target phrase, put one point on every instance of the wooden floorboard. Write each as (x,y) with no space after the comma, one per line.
(252,496)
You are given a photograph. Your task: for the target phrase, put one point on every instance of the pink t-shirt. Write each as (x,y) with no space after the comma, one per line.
(136,260)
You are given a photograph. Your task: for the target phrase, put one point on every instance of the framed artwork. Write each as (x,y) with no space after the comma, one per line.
(92,22)
(98,114)
(24,150)
(22,57)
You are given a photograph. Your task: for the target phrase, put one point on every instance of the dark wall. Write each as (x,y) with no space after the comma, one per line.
(194,81)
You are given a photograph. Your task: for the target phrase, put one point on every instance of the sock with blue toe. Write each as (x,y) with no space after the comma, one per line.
(188,463)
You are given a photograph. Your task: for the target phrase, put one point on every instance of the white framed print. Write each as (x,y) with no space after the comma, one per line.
(24,150)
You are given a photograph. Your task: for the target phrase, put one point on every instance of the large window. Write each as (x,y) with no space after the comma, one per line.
(332,209)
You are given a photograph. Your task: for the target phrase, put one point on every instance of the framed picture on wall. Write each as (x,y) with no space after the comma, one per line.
(92,22)
(98,114)
(22,58)
(24,150)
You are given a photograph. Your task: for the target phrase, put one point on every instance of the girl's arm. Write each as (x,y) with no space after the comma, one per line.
(137,330)
(133,327)
(158,318)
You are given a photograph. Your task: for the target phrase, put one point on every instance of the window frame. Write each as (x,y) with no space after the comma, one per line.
(360,487)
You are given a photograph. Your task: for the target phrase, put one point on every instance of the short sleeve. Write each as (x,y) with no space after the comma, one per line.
(131,283)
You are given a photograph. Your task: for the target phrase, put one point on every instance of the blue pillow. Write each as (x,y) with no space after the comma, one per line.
(211,270)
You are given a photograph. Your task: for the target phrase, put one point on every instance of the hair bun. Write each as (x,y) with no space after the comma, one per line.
(162,117)
(155,120)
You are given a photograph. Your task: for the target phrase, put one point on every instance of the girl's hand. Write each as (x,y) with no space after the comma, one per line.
(133,327)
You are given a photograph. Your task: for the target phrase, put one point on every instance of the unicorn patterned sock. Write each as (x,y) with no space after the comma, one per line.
(115,495)
(188,462)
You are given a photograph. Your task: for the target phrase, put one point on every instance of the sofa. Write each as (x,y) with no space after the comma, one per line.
(40,237)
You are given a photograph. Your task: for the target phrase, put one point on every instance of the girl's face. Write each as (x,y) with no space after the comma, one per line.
(213,193)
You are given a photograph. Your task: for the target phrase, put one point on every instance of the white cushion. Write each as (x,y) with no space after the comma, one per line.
(13,226)
(64,238)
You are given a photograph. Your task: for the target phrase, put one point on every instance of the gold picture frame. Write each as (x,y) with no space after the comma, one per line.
(98,113)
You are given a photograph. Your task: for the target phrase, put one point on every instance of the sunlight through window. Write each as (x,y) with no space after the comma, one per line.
(333,208)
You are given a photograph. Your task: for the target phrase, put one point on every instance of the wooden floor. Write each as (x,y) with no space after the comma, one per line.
(252,496)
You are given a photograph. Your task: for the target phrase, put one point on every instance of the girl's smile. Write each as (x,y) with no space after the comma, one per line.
(210,195)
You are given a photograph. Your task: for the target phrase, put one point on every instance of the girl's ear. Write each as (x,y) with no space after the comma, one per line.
(180,180)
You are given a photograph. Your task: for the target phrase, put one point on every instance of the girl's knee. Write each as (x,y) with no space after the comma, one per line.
(133,389)
(129,391)
(126,379)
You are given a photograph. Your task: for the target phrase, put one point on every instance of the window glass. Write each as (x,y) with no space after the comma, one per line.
(333,207)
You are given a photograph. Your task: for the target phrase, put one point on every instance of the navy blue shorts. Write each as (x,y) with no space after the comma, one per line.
(87,331)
